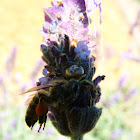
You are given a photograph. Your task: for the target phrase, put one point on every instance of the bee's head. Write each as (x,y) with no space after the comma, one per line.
(74,71)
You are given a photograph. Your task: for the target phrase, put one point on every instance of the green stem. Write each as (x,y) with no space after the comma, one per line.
(80,137)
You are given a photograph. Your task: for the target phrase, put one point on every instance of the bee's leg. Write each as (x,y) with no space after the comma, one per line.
(41,120)
(92,88)
(91,99)
(93,96)
(40,127)
(45,119)
(86,82)
(83,76)
(45,96)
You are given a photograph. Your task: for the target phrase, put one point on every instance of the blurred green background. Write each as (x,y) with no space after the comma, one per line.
(118,58)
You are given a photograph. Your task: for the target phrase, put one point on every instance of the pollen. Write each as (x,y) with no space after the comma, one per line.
(81,16)
(71,17)
(74,42)
(60,2)
(41,109)
(59,16)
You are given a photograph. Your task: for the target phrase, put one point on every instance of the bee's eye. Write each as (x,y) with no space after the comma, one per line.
(74,71)
(71,71)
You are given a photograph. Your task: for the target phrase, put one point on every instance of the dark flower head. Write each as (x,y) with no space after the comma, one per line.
(67,89)
(79,96)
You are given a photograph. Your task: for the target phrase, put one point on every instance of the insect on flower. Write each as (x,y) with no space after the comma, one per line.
(69,87)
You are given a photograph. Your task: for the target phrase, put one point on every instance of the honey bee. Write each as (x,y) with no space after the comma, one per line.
(37,108)
(60,93)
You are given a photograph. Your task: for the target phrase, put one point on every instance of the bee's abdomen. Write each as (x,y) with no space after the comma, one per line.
(30,120)
(37,110)
(36,100)
(31,116)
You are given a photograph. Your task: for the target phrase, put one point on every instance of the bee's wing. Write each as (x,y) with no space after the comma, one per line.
(41,87)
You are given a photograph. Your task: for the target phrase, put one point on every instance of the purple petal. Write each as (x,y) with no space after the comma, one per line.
(45,72)
(82,33)
(44,80)
(48,17)
(83,55)
(70,28)
(90,6)
(46,27)
(81,6)
(85,20)
(81,45)
(82,49)
(54,3)
(97,1)
(91,45)
(88,52)
(53,38)
(71,2)
(51,13)
(76,50)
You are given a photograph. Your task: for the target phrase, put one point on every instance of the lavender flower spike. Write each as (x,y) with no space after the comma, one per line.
(67,90)
(70,17)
